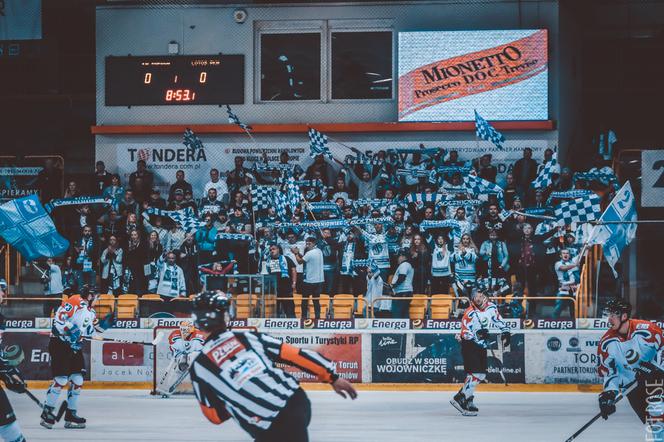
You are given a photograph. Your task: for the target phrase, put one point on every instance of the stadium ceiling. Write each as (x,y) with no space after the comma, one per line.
(255,2)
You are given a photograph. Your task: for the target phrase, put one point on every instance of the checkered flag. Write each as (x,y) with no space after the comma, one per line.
(191,140)
(293,194)
(318,144)
(261,197)
(579,210)
(485,131)
(545,176)
(233,119)
(184,217)
(477,185)
(280,204)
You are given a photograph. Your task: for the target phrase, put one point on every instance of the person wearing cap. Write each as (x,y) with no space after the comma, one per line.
(100,180)
(236,376)
(180,183)
(630,362)
(178,201)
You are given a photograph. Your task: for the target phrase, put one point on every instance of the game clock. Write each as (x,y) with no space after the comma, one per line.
(179,79)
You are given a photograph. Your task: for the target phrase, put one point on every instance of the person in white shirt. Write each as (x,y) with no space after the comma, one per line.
(219,185)
(53,279)
(402,285)
(171,279)
(375,290)
(111,267)
(313,275)
(567,271)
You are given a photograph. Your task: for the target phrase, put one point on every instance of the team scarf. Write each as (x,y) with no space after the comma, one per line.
(439,224)
(234,236)
(453,190)
(364,161)
(569,194)
(364,221)
(449,170)
(369,263)
(332,223)
(374,203)
(77,201)
(421,197)
(413,172)
(602,177)
(449,202)
(534,215)
(323,205)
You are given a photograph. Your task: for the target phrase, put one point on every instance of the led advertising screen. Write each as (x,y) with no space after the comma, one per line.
(447,75)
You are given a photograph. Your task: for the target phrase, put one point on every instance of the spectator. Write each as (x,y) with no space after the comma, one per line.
(420,259)
(239,176)
(282,270)
(382,308)
(495,256)
(53,285)
(564,181)
(402,285)
(174,237)
(171,281)
(69,279)
(85,250)
(487,170)
(524,171)
(330,248)
(510,191)
(100,179)
(464,260)
(313,275)
(188,255)
(155,258)
(155,227)
(143,187)
(567,271)
(180,183)
(206,238)
(366,186)
(210,204)
(526,271)
(111,267)
(136,260)
(129,205)
(440,267)
(49,181)
(219,185)
(115,192)
(155,200)
(351,248)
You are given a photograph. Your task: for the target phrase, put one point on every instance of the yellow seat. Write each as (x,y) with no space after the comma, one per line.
(418,307)
(104,304)
(151,297)
(128,302)
(361,304)
(342,306)
(270,306)
(324,306)
(244,305)
(297,300)
(103,310)
(126,312)
(441,306)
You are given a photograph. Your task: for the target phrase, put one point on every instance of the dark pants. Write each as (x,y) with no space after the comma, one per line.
(400,308)
(330,283)
(291,423)
(6,411)
(474,357)
(313,290)
(440,285)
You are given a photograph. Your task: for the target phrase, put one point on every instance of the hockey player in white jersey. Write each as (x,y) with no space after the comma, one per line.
(73,321)
(185,343)
(474,343)
(632,350)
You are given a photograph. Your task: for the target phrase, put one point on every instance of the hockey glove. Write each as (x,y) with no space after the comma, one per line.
(13,380)
(74,337)
(607,403)
(482,334)
(506,337)
(105,323)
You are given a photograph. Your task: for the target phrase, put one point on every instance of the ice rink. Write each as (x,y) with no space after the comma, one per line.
(133,415)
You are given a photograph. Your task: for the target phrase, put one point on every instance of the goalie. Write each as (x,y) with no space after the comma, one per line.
(185,344)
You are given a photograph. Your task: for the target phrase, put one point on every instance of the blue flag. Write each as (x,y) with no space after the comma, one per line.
(29,229)
(485,131)
(615,237)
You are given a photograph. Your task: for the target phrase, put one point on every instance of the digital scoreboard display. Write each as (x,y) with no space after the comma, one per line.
(448,75)
(173,80)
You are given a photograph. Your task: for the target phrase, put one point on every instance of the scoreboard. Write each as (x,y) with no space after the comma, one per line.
(173,80)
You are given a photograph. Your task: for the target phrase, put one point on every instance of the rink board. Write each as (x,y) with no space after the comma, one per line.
(362,355)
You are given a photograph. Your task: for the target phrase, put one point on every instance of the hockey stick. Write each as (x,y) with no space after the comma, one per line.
(628,388)
(122,341)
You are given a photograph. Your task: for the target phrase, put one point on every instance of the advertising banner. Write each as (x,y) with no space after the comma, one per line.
(447,75)
(562,357)
(121,362)
(652,176)
(344,349)
(165,159)
(28,351)
(436,357)
(17,180)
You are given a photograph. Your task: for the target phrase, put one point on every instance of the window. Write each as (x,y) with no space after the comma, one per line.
(290,66)
(361,65)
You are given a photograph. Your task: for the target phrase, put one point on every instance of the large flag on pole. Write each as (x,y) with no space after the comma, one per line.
(545,176)
(614,237)
(29,229)
(318,144)
(485,131)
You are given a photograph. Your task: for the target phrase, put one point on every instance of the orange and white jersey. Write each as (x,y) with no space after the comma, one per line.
(620,355)
(74,313)
(475,319)
(192,343)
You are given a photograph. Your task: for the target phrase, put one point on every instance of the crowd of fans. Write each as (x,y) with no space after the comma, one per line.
(125,247)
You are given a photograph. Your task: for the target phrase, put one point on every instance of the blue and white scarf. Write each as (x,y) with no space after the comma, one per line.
(77,201)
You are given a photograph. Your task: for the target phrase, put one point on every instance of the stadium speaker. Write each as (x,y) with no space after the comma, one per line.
(240,16)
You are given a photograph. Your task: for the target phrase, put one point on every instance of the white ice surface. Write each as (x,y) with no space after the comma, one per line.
(133,415)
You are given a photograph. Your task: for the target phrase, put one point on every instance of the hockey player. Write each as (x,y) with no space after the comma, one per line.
(73,321)
(235,375)
(474,343)
(631,350)
(9,428)
(185,343)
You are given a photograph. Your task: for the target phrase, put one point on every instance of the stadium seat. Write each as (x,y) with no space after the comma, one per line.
(324,306)
(151,297)
(129,305)
(360,306)
(418,307)
(244,306)
(104,304)
(342,306)
(269,306)
(441,305)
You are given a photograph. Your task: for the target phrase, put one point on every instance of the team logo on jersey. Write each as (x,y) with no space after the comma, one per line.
(632,356)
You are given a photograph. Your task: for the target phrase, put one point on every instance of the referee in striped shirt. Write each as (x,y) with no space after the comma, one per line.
(235,376)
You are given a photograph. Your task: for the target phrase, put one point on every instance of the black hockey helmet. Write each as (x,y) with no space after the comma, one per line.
(618,306)
(211,310)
